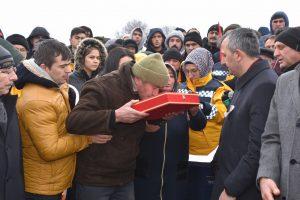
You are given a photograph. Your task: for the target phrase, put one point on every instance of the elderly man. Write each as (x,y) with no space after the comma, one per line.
(238,152)
(278,173)
(107,171)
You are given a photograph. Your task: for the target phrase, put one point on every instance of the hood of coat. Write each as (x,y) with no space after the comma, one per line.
(149,44)
(141,44)
(83,46)
(29,72)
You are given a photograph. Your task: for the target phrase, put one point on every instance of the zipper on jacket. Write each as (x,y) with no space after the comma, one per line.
(163,163)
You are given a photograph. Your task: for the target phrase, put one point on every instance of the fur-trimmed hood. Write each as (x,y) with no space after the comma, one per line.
(85,44)
(141,44)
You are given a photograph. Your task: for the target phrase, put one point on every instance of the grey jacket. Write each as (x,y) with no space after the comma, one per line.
(280,151)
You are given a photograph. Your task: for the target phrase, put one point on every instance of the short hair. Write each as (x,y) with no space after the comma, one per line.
(231,27)
(88,31)
(48,50)
(77,30)
(114,57)
(244,39)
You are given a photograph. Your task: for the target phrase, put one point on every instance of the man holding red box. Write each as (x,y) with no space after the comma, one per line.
(107,171)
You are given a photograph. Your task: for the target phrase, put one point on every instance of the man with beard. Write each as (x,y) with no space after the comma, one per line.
(156,41)
(212,38)
(175,40)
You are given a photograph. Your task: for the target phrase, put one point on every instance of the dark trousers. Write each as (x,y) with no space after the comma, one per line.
(201,180)
(30,196)
(125,192)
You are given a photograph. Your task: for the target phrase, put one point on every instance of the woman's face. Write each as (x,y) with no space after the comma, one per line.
(92,61)
(171,82)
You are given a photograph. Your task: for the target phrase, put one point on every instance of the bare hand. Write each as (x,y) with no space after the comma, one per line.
(169,116)
(194,110)
(100,139)
(64,195)
(225,196)
(268,189)
(126,114)
(151,128)
(5,83)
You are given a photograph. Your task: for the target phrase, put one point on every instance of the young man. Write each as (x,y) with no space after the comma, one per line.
(175,40)
(138,36)
(49,152)
(156,41)
(77,34)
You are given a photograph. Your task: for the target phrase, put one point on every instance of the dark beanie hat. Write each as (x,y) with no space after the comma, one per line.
(215,27)
(130,43)
(18,39)
(6,59)
(290,37)
(172,54)
(193,36)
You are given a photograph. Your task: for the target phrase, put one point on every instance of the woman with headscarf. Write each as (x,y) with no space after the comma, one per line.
(198,71)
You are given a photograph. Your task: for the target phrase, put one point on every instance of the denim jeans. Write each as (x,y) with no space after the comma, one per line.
(30,196)
(125,192)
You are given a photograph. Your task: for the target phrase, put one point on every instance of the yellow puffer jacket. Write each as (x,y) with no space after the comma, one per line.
(210,90)
(49,152)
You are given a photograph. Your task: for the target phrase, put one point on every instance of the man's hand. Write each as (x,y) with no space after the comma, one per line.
(268,189)
(126,114)
(151,128)
(194,110)
(5,83)
(225,196)
(100,139)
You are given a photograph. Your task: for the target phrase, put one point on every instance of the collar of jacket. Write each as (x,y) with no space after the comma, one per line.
(82,73)
(290,68)
(30,72)
(256,68)
(198,82)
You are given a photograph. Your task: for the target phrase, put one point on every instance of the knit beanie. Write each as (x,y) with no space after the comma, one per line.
(130,43)
(172,54)
(202,58)
(174,33)
(152,70)
(6,59)
(290,37)
(17,57)
(193,36)
(18,39)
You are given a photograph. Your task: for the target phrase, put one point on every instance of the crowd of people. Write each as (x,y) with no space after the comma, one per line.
(68,129)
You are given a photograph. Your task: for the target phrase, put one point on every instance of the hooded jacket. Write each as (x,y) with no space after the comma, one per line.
(149,44)
(210,91)
(79,76)
(179,35)
(166,164)
(277,15)
(141,44)
(49,152)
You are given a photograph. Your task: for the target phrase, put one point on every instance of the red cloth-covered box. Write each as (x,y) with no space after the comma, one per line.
(165,103)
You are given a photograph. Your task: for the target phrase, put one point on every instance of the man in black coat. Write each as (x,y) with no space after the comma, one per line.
(238,154)
(11,173)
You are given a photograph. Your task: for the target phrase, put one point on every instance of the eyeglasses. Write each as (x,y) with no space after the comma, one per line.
(9,70)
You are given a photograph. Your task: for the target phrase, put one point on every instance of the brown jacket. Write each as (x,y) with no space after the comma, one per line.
(113,163)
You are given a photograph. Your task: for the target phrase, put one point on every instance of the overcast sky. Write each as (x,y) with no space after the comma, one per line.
(106,17)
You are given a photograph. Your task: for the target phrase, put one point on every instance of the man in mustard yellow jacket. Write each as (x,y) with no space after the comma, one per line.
(49,152)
